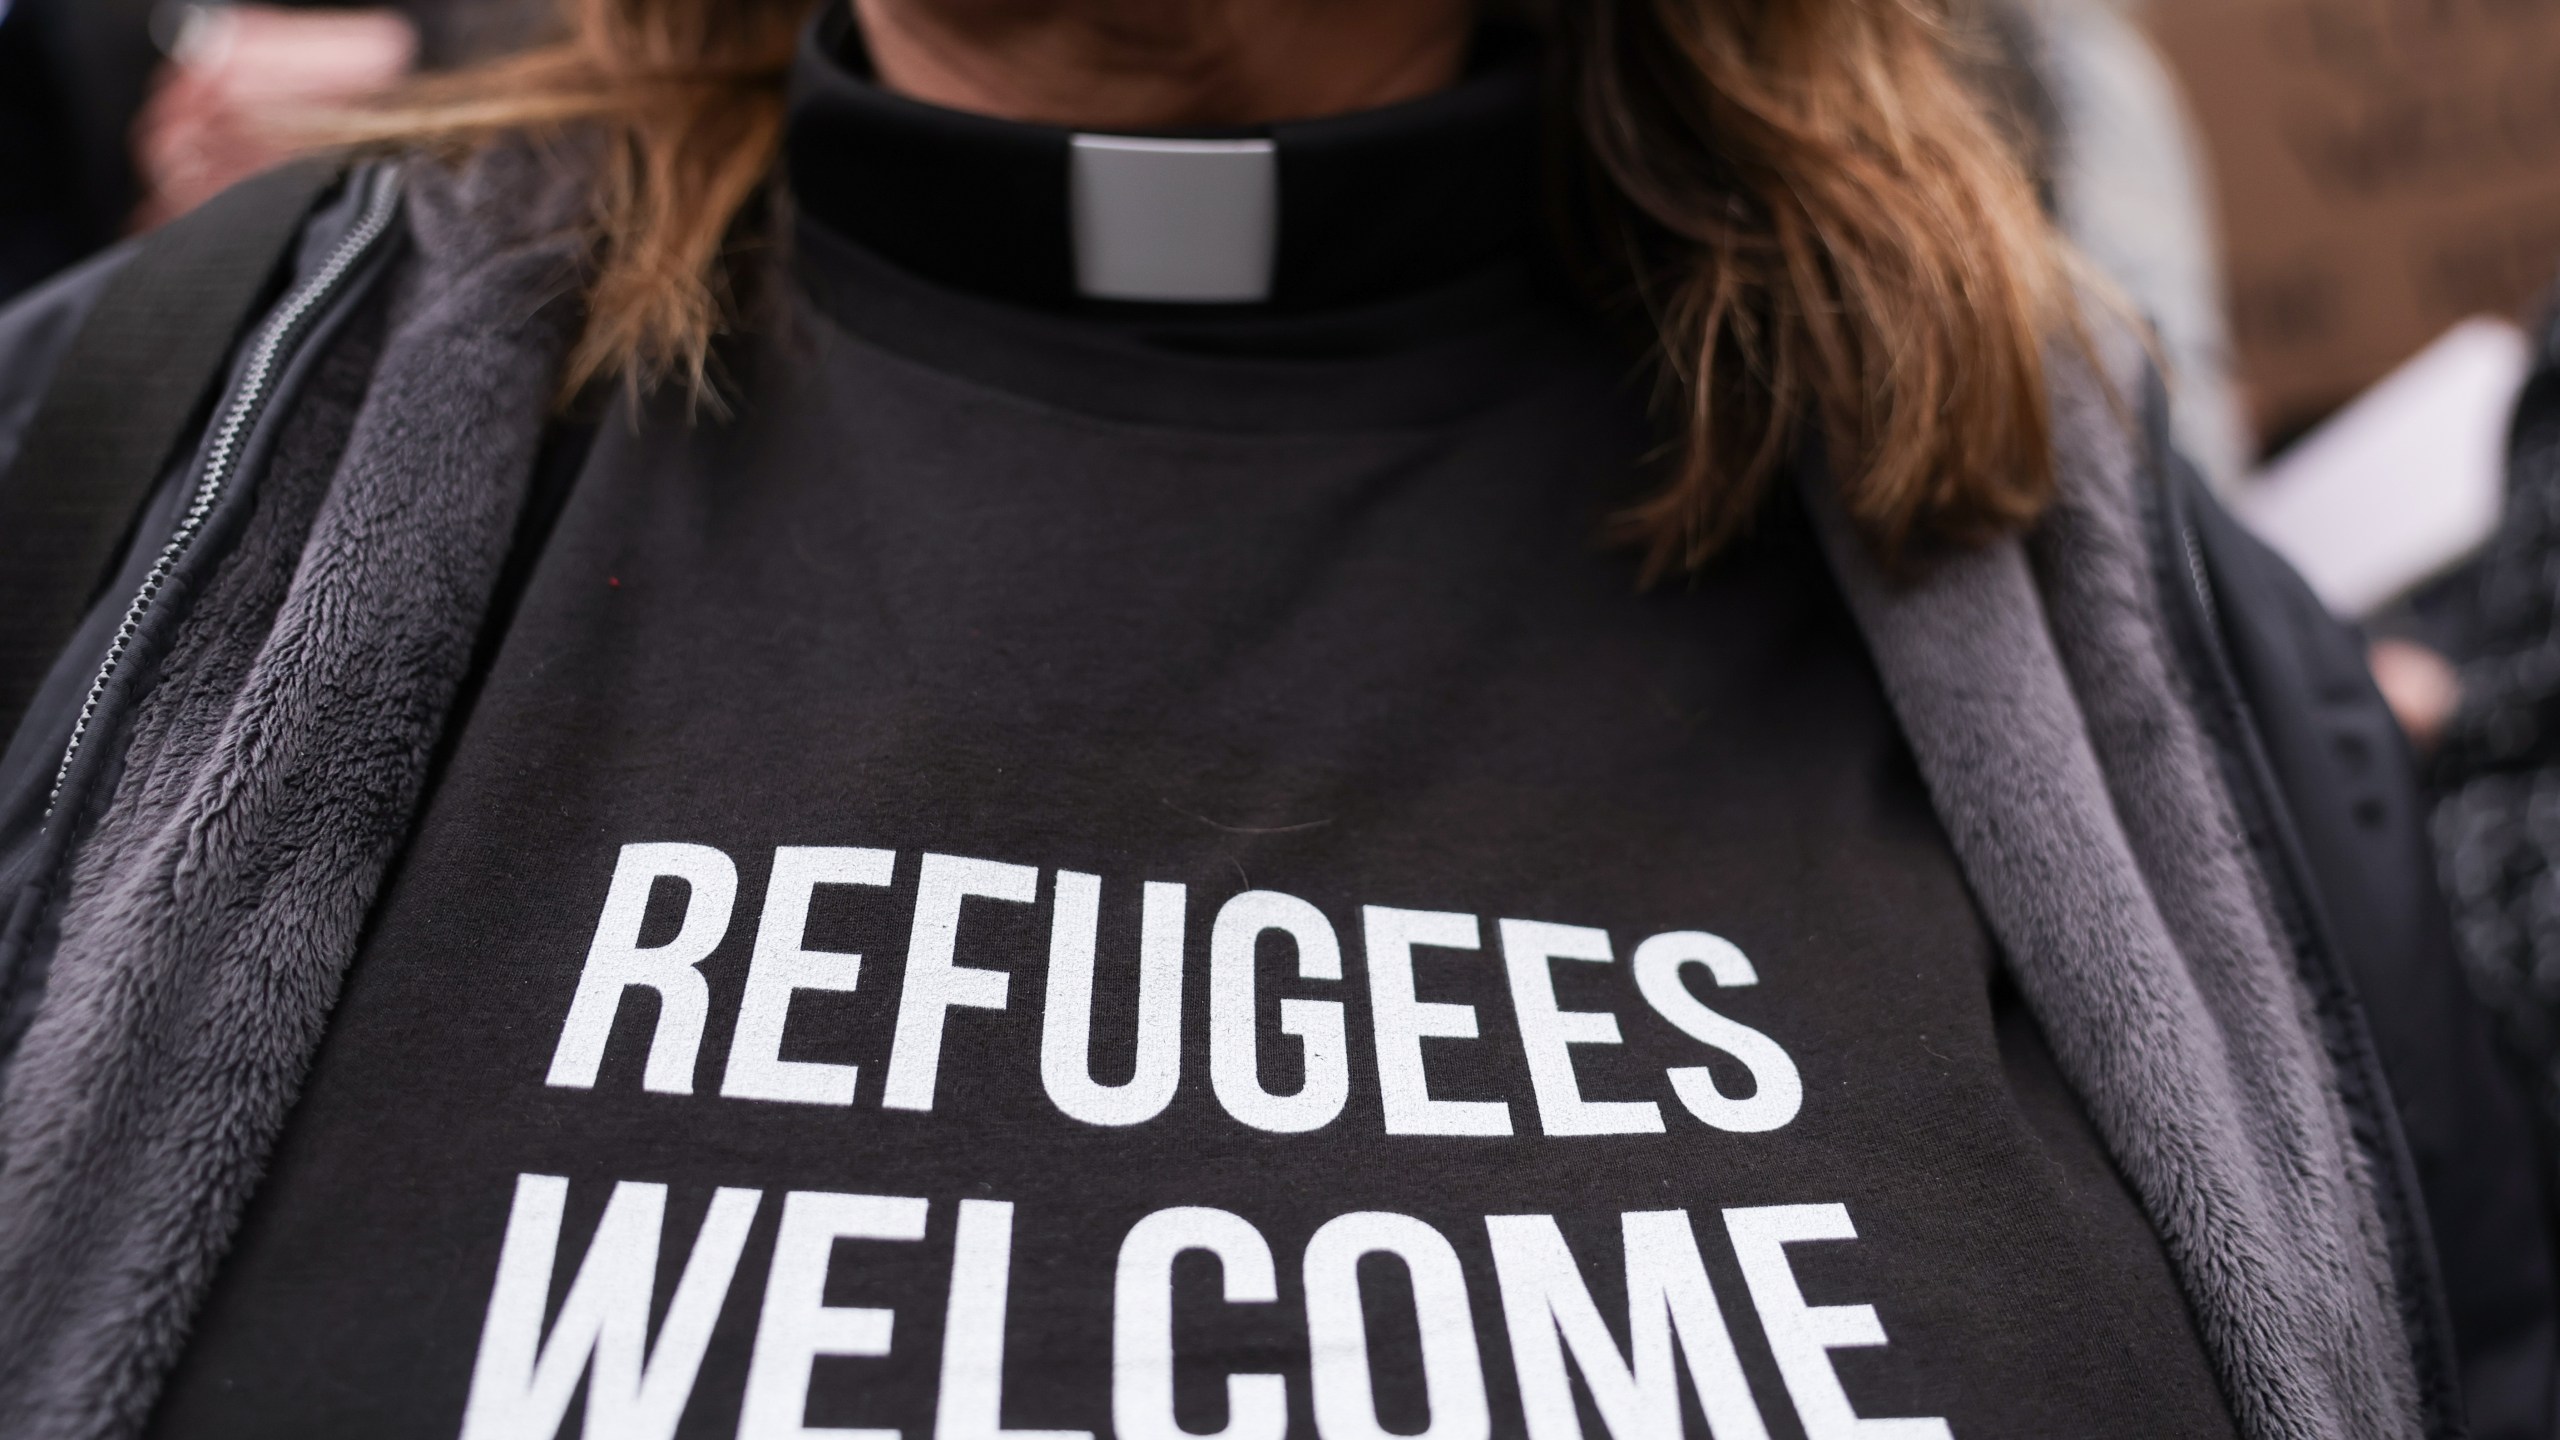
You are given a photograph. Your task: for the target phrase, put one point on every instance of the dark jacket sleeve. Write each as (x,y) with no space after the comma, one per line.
(35,329)
(34,333)
(2351,788)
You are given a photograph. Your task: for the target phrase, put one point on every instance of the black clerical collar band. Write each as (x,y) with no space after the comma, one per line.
(1297,217)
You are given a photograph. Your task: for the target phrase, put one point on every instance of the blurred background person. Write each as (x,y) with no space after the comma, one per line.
(73,74)
(116,114)
(2474,676)
(240,80)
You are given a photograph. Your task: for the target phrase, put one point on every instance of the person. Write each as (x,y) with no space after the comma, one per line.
(1181,718)
(2483,635)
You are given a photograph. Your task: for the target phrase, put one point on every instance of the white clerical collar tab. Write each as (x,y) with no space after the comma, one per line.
(1173,221)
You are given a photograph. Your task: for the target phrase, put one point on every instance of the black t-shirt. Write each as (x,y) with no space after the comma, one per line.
(1076,871)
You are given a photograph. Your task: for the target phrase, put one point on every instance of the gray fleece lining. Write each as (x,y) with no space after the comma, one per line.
(2034,684)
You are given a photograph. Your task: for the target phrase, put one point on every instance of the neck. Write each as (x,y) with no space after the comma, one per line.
(1142,65)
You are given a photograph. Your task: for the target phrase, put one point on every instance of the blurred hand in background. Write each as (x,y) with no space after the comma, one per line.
(2421,687)
(244,83)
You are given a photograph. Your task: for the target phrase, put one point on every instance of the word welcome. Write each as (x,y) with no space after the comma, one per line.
(522,1382)
(937,984)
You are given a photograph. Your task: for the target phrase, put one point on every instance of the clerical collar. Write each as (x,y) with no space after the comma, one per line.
(1290,218)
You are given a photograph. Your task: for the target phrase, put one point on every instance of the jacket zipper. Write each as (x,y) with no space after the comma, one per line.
(279,339)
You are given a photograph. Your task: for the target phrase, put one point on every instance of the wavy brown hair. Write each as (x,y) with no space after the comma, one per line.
(1826,228)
